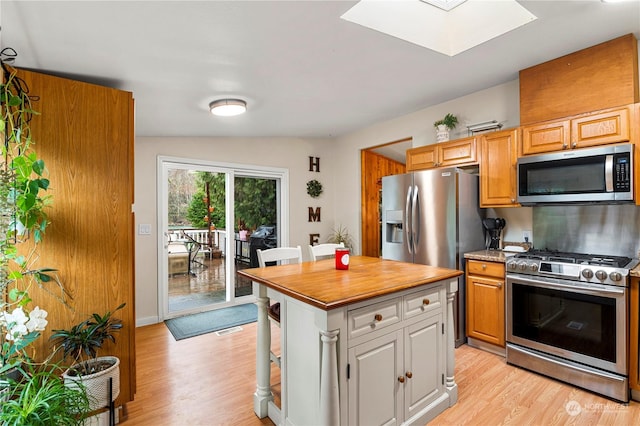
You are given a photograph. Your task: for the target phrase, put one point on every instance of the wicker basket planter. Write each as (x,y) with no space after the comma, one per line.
(97,384)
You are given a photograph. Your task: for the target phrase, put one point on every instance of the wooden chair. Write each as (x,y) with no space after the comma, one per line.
(278,256)
(323,250)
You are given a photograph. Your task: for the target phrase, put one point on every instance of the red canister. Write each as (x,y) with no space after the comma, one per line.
(342,258)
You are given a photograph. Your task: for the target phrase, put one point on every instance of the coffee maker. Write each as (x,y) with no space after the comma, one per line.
(492,229)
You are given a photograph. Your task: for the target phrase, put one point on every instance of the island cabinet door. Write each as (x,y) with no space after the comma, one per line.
(375,381)
(424,364)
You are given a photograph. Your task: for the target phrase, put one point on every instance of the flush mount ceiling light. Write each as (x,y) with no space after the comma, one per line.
(228,107)
(446,26)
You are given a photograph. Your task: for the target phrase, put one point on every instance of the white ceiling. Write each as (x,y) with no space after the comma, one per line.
(303,71)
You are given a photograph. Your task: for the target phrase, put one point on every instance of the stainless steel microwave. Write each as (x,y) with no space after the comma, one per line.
(590,175)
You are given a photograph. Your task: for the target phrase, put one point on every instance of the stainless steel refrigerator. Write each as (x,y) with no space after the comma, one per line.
(433,217)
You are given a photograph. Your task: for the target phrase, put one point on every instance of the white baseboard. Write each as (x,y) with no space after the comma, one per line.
(147,321)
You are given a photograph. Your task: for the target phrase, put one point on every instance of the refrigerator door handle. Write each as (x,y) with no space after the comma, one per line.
(407,220)
(415,219)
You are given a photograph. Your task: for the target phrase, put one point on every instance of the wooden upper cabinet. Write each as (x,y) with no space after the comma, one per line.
(424,157)
(459,152)
(603,128)
(580,131)
(498,159)
(545,137)
(592,79)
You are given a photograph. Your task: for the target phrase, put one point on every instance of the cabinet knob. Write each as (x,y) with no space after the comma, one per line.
(499,285)
(484,266)
(425,301)
(564,146)
(401,379)
(573,145)
(513,201)
(409,374)
(378,317)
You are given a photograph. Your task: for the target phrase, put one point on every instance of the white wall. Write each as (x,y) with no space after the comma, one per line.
(499,103)
(291,154)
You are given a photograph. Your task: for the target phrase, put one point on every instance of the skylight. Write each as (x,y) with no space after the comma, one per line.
(447,28)
(445,4)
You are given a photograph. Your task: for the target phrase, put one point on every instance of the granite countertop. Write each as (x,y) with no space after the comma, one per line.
(492,255)
(502,256)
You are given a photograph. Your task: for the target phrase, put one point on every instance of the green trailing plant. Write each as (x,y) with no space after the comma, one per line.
(82,341)
(23,216)
(450,121)
(42,398)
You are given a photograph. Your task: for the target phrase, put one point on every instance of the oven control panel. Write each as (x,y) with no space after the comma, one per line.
(570,271)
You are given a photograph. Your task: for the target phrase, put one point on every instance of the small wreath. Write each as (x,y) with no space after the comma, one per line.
(314,188)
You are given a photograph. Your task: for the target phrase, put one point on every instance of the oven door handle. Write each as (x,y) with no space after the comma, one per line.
(610,290)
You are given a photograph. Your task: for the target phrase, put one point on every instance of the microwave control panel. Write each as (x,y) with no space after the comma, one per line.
(622,173)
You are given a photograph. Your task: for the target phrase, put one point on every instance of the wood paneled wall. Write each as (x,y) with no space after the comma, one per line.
(84,133)
(599,77)
(373,168)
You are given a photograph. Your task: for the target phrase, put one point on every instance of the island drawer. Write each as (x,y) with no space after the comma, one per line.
(422,302)
(374,317)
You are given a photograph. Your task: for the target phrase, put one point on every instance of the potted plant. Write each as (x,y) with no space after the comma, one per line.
(444,125)
(42,398)
(340,235)
(99,376)
(243,230)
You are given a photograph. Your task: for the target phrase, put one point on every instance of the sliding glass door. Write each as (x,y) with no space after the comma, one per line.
(213,217)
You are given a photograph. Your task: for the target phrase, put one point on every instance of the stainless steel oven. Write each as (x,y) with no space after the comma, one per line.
(567,318)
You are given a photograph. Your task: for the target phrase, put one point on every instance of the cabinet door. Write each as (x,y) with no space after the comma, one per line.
(424,347)
(485,309)
(85,137)
(499,156)
(599,129)
(421,158)
(375,390)
(457,153)
(545,137)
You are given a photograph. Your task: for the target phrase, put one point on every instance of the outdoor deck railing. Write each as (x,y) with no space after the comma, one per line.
(201,235)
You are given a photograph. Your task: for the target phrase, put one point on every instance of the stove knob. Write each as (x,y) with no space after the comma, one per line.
(601,275)
(512,264)
(587,273)
(522,265)
(533,267)
(615,276)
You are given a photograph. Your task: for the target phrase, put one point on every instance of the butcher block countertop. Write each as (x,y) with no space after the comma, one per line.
(321,285)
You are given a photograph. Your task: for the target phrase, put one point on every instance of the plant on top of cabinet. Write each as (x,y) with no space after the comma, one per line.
(444,125)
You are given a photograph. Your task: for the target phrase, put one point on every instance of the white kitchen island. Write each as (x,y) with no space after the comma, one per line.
(373,344)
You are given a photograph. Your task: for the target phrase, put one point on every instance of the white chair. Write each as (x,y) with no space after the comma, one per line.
(281,256)
(323,250)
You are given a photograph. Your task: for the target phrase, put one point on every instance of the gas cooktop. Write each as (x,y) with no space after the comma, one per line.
(580,258)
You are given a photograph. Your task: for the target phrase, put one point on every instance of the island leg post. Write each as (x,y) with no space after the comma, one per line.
(263,394)
(329,386)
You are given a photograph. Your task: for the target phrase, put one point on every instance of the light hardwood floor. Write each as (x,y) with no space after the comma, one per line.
(210,380)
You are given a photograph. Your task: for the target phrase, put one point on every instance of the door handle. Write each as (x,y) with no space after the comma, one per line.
(407,220)
(415,219)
